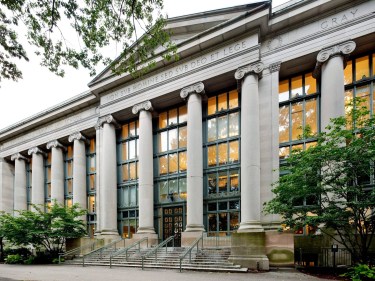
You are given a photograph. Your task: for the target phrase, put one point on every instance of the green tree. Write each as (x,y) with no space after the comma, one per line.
(97,24)
(43,230)
(330,185)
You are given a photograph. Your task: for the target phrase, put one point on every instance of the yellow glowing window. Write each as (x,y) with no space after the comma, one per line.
(311,115)
(173,164)
(49,155)
(284,123)
(91,204)
(362,68)
(49,190)
(70,151)
(182,161)
(297,86)
(284,152)
(283,90)
(211,107)
(182,137)
(133,171)
(132,126)
(92,146)
(125,172)
(233,151)
(310,84)
(211,155)
(163,165)
(70,169)
(69,202)
(48,174)
(182,117)
(233,99)
(222,102)
(348,73)
(297,120)
(172,117)
(223,153)
(69,186)
(92,182)
(163,120)
(125,131)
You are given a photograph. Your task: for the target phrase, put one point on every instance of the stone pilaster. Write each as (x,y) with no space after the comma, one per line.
(250,147)
(194,178)
(331,62)
(6,186)
(57,171)
(79,170)
(20,187)
(108,181)
(37,176)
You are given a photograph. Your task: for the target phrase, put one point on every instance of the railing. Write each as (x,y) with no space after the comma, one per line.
(322,257)
(155,250)
(80,250)
(125,250)
(188,251)
(217,240)
(100,250)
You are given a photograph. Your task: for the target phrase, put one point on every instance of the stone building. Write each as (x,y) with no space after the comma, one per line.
(195,145)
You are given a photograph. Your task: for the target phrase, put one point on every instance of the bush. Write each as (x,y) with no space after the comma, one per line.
(360,272)
(14,259)
(23,252)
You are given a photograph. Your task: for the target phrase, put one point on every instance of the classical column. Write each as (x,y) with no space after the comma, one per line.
(37,176)
(108,181)
(194,176)
(20,187)
(250,148)
(79,170)
(57,171)
(146,170)
(331,64)
(6,186)
(98,178)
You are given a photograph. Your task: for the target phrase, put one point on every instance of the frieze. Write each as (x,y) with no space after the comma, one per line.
(255,68)
(36,150)
(146,105)
(18,156)
(55,144)
(195,88)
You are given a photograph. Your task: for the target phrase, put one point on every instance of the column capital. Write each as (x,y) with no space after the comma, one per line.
(254,68)
(19,156)
(78,136)
(36,150)
(106,119)
(55,144)
(197,88)
(275,67)
(146,105)
(341,49)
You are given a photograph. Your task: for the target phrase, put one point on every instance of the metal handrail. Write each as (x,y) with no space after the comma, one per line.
(188,251)
(102,249)
(155,250)
(125,250)
(79,249)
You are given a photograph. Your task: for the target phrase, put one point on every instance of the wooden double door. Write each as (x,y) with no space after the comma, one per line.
(173,224)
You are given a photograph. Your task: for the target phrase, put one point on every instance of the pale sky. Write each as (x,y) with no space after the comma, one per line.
(40,89)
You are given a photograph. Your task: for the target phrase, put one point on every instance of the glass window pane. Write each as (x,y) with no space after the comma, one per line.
(297,120)
(132,129)
(212,206)
(222,127)
(125,131)
(182,137)
(92,163)
(284,152)
(70,169)
(222,206)
(49,155)
(137,127)
(91,204)
(173,141)
(173,188)
(172,117)
(182,114)
(223,153)
(211,107)
(92,182)
(163,191)
(223,182)
(364,93)
(69,203)
(362,68)
(162,120)
(234,124)
(49,190)
(163,141)
(234,221)
(69,187)
(183,188)
(211,183)
(92,146)
(124,151)
(173,164)
(310,84)
(233,151)
(133,171)
(234,205)
(212,224)
(283,90)
(348,76)
(297,86)
(222,102)
(349,107)
(125,172)
(310,144)
(133,195)
(132,151)
(211,129)
(311,115)
(70,152)
(211,151)
(182,161)
(297,147)
(233,99)
(234,181)
(163,165)
(284,123)
(223,223)
(48,174)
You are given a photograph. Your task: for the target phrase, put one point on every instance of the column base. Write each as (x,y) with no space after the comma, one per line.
(146,230)
(250,226)
(188,237)
(273,225)
(109,235)
(152,239)
(194,228)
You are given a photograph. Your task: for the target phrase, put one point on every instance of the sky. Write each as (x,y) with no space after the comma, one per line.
(40,89)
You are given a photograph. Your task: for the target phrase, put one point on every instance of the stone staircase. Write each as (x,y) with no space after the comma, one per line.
(167,258)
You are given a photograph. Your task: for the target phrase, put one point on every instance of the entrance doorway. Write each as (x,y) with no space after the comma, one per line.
(173,224)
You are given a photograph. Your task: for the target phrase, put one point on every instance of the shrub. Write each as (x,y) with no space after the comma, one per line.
(14,259)
(360,272)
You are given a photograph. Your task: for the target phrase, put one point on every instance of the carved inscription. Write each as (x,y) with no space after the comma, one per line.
(338,19)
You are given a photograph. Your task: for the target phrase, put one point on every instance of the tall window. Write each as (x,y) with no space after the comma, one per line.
(127,189)
(28,184)
(222,165)
(91,190)
(69,176)
(359,77)
(298,111)
(171,157)
(47,178)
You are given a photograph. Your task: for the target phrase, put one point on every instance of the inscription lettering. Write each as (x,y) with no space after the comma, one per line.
(337,20)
